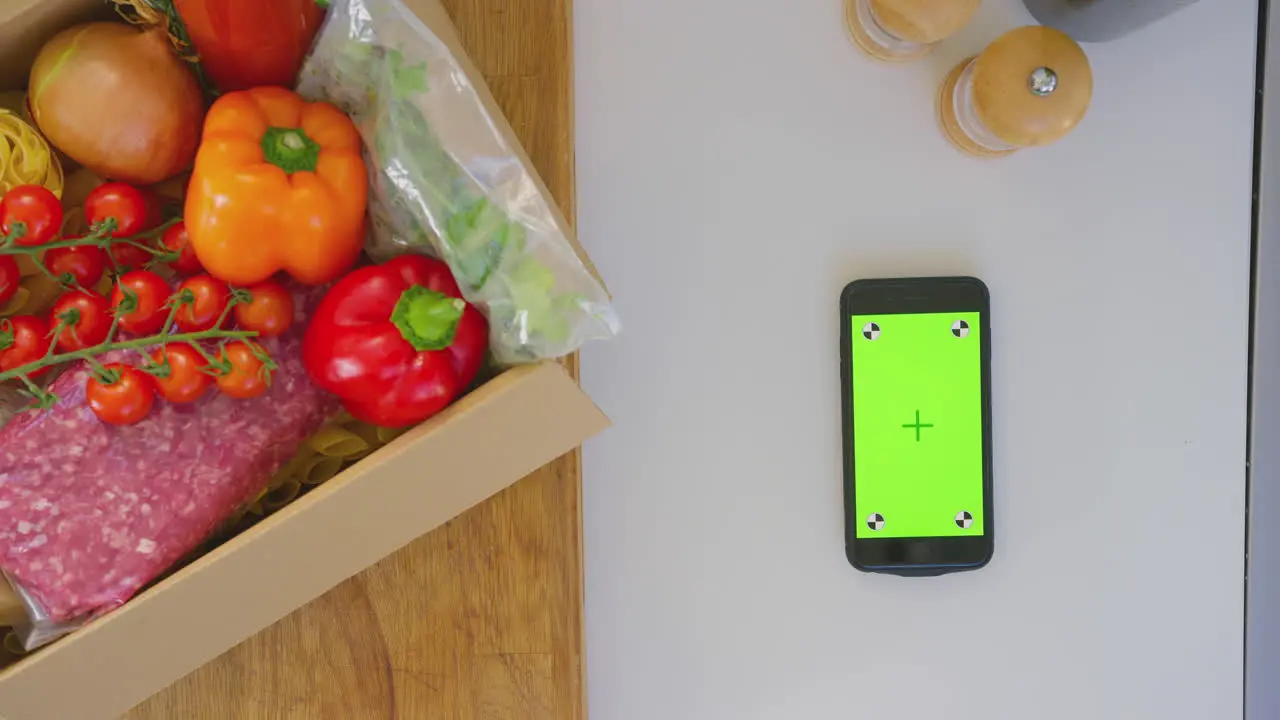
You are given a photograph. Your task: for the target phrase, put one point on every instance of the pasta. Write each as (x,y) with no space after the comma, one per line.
(386,435)
(332,449)
(13,645)
(25,156)
(337,441)
(320,468)
(281,496)
(16,303)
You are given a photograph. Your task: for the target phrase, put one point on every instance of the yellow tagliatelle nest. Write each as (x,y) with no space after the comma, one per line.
(25,156)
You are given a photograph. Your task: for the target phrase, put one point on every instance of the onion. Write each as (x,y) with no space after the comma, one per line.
(118,101)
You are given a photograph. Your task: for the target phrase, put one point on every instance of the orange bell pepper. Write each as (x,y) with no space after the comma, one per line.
(279,184)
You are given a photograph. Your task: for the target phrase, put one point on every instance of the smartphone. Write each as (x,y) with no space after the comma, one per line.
(915,376)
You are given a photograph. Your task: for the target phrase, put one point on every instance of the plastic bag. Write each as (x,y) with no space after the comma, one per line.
(445,180)
(91,513)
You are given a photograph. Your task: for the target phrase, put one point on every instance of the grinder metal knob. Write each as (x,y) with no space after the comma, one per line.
(1030,87)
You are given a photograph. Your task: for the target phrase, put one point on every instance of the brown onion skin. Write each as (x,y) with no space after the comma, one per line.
(118,101)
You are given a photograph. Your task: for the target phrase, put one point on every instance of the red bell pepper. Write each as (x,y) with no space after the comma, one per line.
(396,342)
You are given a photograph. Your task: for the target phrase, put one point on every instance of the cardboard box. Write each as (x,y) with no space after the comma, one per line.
(509,427)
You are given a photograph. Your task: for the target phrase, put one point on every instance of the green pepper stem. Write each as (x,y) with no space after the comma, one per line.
(290,149)
(427,320)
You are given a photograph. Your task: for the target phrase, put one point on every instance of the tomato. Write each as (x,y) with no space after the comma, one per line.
(123,203)
(86,319)
(9,277)
(210,299)
(155,209)
(177,240)
(151,293)
(129,257)
(37,209)
(186,382)
(126,400)
(249,376)
(23,339)
(82,264)
(270,312)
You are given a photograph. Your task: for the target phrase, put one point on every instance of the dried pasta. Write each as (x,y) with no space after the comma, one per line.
(320,468)
(386,435)
(13,645)
(335,447)
(16,303)
(281,496)
(25,156)
(36,292)
(337,441)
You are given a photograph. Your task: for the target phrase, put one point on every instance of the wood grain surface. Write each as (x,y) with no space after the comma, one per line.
(482,618)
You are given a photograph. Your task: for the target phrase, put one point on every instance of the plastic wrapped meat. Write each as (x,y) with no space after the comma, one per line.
(90,513)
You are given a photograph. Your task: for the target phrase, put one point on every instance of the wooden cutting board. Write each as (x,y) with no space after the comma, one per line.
(482,618)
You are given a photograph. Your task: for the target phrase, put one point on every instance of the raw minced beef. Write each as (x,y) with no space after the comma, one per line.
(90,512)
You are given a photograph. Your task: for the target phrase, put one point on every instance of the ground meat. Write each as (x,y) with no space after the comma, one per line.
(90,513)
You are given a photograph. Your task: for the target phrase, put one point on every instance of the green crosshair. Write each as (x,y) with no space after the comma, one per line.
(917,425)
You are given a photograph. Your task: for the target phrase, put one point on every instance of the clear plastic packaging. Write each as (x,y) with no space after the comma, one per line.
(445,180)
(91,513)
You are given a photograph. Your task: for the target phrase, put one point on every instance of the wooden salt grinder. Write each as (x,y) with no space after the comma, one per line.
(903,30)
(1029,87)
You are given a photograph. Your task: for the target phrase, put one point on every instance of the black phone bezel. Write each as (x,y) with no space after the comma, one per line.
(929,555)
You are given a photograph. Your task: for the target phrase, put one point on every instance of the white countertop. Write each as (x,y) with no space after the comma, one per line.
(739,162)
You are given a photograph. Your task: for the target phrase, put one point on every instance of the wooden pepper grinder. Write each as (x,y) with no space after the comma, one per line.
(1029,87)
(902,30)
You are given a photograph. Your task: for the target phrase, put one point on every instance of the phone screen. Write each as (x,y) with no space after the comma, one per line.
(916,386)
(918,424)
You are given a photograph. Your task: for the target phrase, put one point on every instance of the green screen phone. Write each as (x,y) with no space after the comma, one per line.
(917,424)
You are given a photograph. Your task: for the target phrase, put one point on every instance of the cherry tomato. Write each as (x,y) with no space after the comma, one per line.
(151,294)
(129,257)
(38,209)
(270,312)
(155,209)
(123,203)
(82,263)
(177,240)
(86,319)
(186,382)
(248,377)
(211,297)
(23,339)
(125,401)
(9,277)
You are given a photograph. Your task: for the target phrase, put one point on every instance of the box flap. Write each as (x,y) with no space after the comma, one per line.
(506,429)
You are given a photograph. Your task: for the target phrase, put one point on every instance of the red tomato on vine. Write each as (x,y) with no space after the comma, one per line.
(150,295)
(209,297)
(125,204)
(82,263)
(124,397)
(9,278)
(23,339)
(33,213)
(270,311)
(183,379)
(175,239)
(85,317)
